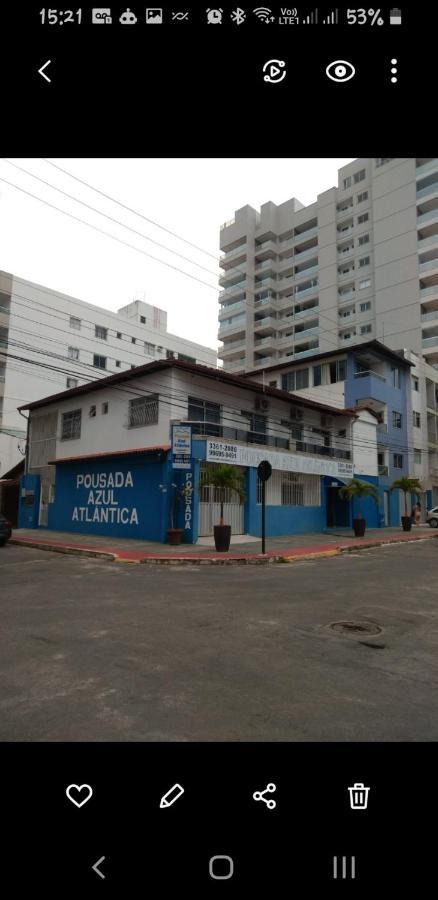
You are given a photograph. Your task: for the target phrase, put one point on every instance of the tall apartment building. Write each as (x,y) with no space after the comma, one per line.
(50,342)
(360,263)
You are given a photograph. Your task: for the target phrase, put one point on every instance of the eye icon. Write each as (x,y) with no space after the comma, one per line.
(340,70)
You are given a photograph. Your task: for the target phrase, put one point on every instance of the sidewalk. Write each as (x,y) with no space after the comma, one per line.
(283,549)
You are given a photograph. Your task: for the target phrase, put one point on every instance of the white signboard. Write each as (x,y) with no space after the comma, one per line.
(237,455)
(181,446)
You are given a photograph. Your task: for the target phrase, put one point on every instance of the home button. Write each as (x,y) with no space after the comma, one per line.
(221,868)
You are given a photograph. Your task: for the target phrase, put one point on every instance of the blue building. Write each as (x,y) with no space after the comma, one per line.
(108,457)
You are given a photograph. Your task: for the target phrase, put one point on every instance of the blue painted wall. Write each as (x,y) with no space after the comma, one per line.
(28,508)
(133,507)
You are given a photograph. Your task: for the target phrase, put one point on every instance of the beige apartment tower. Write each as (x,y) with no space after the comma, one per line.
(359,263)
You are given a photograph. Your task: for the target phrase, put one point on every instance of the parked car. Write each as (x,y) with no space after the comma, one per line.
(432,517)
(5,529)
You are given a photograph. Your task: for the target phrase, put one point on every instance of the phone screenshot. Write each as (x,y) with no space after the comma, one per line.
(218,450)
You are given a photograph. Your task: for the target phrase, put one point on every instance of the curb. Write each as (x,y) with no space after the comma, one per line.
(68,551)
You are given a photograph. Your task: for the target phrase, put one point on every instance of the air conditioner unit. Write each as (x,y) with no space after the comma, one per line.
(296,413)
(261,403)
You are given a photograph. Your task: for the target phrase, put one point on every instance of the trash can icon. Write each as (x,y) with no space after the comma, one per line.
(359,796)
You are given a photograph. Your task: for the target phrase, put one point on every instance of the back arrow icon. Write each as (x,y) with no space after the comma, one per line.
(96,867)
(42,72)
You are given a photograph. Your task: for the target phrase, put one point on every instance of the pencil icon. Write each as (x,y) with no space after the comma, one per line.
(172,795)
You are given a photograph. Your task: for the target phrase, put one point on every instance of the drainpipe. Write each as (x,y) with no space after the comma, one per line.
(26,456)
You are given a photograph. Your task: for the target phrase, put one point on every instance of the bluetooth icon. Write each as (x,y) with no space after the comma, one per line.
(238,16)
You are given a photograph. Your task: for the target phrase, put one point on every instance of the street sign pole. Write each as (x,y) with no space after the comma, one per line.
(264,471)
(263,514)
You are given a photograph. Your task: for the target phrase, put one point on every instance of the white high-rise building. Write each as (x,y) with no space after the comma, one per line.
(50,342)
(360,263)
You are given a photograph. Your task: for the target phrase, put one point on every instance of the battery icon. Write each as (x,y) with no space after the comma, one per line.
(395,17)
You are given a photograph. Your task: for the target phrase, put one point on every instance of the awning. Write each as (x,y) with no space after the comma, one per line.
(161,448)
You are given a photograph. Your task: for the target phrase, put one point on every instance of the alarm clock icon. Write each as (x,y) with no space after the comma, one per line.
(214,16)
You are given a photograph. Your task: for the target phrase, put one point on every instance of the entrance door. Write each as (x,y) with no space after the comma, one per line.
(337,509)
(44,503)
(386,507)
(210,508)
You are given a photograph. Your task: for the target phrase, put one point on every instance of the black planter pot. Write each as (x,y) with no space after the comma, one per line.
(406,523)
(222,537)
(359,526)
(174,536)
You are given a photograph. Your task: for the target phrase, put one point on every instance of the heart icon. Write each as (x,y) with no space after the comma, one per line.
(75,792)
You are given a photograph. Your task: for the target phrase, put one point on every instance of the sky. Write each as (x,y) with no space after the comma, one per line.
(190,197)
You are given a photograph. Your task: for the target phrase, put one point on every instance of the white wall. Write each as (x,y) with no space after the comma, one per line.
(365,444)
(9,453)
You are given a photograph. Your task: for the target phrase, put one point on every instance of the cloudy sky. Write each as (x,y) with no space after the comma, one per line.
(189,197)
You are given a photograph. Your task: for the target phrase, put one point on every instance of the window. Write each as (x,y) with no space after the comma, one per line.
(416,419)
(71,425)
(366,283)
(363,218)
(345,313)
(291,489)
(119,335)
(346,183)
(381,160)
(143,320)
(186,358)
(256,433)
(75,323)
(92,412)
(395,376)
(72,382)
(415,383)
(118,364)
(398,461)
(362,197)
(338,371)
(104,408)
(205,414)
(99,361)
(73,352)
(417,457)
(170,354)
(346,335)
(364,307)
(364,239)
(342,433)
(143,411)
(101,332)
(317,376)
(295,381)
(366,329)
(365,261)
(359,176)
(149,348)
(272,384)
(396,419)
(132,340)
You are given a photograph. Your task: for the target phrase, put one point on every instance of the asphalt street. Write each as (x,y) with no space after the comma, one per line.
(100,651)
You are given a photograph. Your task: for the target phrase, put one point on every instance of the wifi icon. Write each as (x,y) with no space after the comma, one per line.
(263,13)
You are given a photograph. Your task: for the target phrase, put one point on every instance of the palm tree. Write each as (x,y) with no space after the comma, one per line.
(225,478)
(408,485)
(359,489)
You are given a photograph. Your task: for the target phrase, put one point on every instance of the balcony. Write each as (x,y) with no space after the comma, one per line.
(265,284)
(429,292)
(233,257)
(427,216)
(430,166)
(429,189)
(234,291)
(263,361)
(372,385)
(304,273)
(268,323)
(306,291)
(226,279)
(286,264)
(265,249)
(269,341)
(237,366)
(322,450)
(349,295)
(429,316)
(270,301)
(430,264)
(232,309)
(307,331)
(230,349)
(430,342)
(309,311)
(234,328)
(305,254)
(305,233)
(286,341)
(300,354)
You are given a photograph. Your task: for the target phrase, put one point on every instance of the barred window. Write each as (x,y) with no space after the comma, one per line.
(101,332)
(71,425)
(73,352)
(99,361)
(143,411)
(291,489)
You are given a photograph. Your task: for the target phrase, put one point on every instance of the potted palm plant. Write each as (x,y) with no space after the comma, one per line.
(225,479)
(174,534)
(408,485)
(359,489)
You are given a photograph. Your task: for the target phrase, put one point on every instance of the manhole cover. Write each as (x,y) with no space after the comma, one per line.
(355,628)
